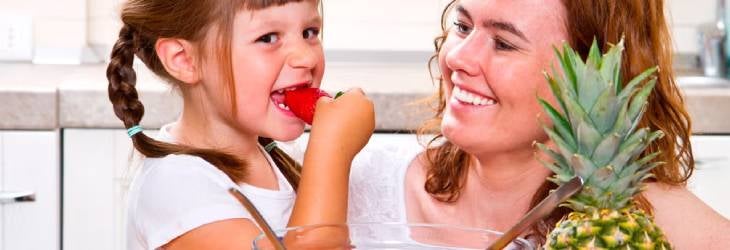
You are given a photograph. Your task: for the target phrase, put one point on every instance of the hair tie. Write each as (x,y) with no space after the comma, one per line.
(270,146)
(134,130)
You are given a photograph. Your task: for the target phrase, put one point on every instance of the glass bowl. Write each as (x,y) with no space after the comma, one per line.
(386,236)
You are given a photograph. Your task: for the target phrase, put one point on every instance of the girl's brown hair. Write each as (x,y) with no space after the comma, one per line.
(146,21)
(648,43)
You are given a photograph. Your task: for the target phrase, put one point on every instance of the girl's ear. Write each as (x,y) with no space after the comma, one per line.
(178,58)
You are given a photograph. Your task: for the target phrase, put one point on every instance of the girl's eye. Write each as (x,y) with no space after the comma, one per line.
(462,28)
(268,38)
(500,44)
(310,33)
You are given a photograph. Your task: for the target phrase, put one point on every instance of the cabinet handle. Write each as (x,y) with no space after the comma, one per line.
(12,197)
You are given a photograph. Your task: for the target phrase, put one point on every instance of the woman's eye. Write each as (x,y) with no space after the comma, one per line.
(268,38)
(310,33)
(500,44)
(462,28)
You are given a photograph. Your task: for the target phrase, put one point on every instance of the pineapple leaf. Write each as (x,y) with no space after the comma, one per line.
(555,89)
(648,158)
(611,65)
(630,148)
(623,124)
(559,123)
(635,166)
(565,149)
(623,180)
(594,55)
(634,138)
(606,149)
(588,137)
(604,110)
(592,87)
(557,157)
(567,66)
(647,168)
(629,89)
(658,134)
(639,101)
(583,167)
(603,176)
(557,170)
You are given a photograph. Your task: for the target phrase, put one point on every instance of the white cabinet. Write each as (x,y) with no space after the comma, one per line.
(712,172)
(96,177)
(29,162)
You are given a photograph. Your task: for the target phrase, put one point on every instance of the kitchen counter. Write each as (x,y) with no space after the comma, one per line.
(42,97)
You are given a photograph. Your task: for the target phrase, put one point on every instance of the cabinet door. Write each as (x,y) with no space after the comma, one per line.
(712,171)
(97,173)
(29,161)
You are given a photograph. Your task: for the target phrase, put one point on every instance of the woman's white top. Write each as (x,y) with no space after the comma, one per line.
(377,183)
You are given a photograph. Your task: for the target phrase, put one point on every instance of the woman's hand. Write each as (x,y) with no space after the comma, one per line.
(343,125)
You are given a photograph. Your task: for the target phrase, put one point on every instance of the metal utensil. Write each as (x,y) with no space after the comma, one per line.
(543,209)
(278,245)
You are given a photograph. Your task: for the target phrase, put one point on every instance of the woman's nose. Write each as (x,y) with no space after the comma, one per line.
(464,56)
(303,56)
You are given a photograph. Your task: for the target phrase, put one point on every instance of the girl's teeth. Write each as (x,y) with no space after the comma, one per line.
(281,91)
(471,98)
(284,107)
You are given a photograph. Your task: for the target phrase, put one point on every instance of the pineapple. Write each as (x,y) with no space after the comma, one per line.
(597,139)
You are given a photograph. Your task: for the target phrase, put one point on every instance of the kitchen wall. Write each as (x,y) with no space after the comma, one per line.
(59,27)
(405,25)
(687,15)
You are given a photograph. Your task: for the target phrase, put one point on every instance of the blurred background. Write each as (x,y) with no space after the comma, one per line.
(64,157)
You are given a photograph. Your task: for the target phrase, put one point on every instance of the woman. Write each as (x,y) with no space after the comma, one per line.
(481,170)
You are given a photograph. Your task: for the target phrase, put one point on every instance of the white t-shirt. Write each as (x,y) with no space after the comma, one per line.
(377,184)
(172,195)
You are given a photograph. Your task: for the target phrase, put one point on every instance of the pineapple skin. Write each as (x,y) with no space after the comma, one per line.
(628,228)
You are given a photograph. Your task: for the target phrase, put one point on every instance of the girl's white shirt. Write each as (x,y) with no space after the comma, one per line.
(172,195)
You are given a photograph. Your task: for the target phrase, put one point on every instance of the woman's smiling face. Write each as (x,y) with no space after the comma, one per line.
(492,63)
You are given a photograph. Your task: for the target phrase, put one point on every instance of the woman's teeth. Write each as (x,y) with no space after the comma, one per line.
(283,106)
(471,98)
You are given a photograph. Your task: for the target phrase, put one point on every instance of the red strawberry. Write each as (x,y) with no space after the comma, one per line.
(301,102)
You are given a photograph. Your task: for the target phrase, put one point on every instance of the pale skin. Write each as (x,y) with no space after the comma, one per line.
(498,51)
(269,53)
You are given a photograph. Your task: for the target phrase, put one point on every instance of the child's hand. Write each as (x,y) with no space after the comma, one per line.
(344,124)
(340,129)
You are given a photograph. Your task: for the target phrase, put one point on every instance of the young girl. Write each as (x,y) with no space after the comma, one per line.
(232,60)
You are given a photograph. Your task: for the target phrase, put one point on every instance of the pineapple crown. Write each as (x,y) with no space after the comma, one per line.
(596,133)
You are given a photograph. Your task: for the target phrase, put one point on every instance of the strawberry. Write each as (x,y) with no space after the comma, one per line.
(302,101)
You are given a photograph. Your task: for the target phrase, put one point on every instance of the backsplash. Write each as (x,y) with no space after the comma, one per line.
(349,24)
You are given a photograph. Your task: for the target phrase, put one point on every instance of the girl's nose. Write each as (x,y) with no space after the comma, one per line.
(303,56)
(464,56)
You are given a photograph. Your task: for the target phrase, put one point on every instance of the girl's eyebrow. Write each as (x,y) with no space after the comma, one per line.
(317,20)
(495,24)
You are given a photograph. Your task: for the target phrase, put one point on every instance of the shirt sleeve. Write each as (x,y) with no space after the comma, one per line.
(180,195)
